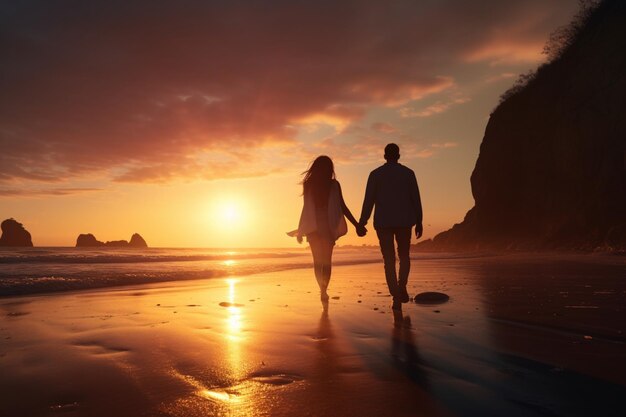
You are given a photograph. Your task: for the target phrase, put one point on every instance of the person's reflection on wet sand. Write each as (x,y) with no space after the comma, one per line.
(326,368)
(325,377)
(404,351)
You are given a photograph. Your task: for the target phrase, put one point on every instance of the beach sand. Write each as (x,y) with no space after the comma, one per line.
(521,335)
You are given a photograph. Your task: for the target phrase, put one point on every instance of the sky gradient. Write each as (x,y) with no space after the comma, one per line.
(191,121)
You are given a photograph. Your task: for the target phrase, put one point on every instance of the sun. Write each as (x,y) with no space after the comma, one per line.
(228,214)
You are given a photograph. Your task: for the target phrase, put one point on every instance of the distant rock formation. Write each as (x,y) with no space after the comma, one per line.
(90,241)
(551,173)
(117,243)
(14,234)
(136,241)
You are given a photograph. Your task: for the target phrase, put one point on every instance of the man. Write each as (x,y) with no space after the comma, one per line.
(393,189)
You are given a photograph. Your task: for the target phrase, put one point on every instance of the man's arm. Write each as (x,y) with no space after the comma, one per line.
(417,204)
(368,201)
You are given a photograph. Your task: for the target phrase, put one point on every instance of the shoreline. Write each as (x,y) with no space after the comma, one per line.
(147,272)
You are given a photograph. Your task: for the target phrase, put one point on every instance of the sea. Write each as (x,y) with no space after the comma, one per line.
(52,269)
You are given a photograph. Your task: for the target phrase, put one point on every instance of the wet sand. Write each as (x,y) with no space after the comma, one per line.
(520,336)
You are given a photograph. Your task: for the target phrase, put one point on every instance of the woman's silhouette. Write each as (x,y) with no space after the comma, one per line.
(322,219)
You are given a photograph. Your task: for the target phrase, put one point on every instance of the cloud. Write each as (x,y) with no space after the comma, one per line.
(4,192)
(433,109)
(364,147)
(145,90)
(501,76)
(502,52)
(445,145)
(383,127)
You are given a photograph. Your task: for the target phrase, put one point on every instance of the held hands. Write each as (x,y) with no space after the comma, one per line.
(360,230)
(419,229)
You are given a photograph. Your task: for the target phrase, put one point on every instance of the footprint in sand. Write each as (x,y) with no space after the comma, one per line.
(17,313)
(64,407)
(319,338)
(99,348)
(227,304)
(275,378)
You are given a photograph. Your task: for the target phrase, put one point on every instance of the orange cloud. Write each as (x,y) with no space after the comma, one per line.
(501,76)
(445,145)
(500,53)
(437,108)
(44,192)
(383,127)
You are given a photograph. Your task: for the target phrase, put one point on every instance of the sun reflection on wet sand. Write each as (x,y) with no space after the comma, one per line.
(233,333)
(234,320)
(219,395)
(233,399)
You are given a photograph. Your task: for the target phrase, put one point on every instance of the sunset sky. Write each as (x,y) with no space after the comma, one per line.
(191,121)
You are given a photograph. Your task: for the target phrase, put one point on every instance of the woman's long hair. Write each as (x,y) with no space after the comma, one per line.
(318,178)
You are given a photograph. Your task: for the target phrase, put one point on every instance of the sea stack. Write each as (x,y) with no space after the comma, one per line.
(88,241)
(136,241)
(14,234)
(117,243)
(551,173)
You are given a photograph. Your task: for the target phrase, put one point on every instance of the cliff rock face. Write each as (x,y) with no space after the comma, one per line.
(14,234)
(90,241)
(551,172)
(136,241)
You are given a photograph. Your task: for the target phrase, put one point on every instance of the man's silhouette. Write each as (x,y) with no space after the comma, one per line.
(393,189)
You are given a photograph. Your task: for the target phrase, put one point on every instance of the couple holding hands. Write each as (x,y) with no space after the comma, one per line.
(392,189)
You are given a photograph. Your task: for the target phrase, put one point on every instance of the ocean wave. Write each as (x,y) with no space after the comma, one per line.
(26,284)
(90,256)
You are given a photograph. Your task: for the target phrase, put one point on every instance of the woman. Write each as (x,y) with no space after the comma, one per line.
(322,219)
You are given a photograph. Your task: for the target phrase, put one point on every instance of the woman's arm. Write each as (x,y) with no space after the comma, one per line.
(345,209)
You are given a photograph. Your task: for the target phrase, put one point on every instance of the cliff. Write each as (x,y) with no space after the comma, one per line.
(14,234)
(551,173)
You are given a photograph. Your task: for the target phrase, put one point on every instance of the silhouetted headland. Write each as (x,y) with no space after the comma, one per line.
(14,234)
(89,241)
(551,173)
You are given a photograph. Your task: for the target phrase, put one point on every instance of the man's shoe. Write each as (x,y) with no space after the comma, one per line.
(403,297)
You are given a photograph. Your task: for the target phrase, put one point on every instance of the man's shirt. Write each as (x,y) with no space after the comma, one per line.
(393,189)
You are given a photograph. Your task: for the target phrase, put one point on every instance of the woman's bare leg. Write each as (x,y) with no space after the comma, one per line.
(322,251)
(316,251)
(327,256)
